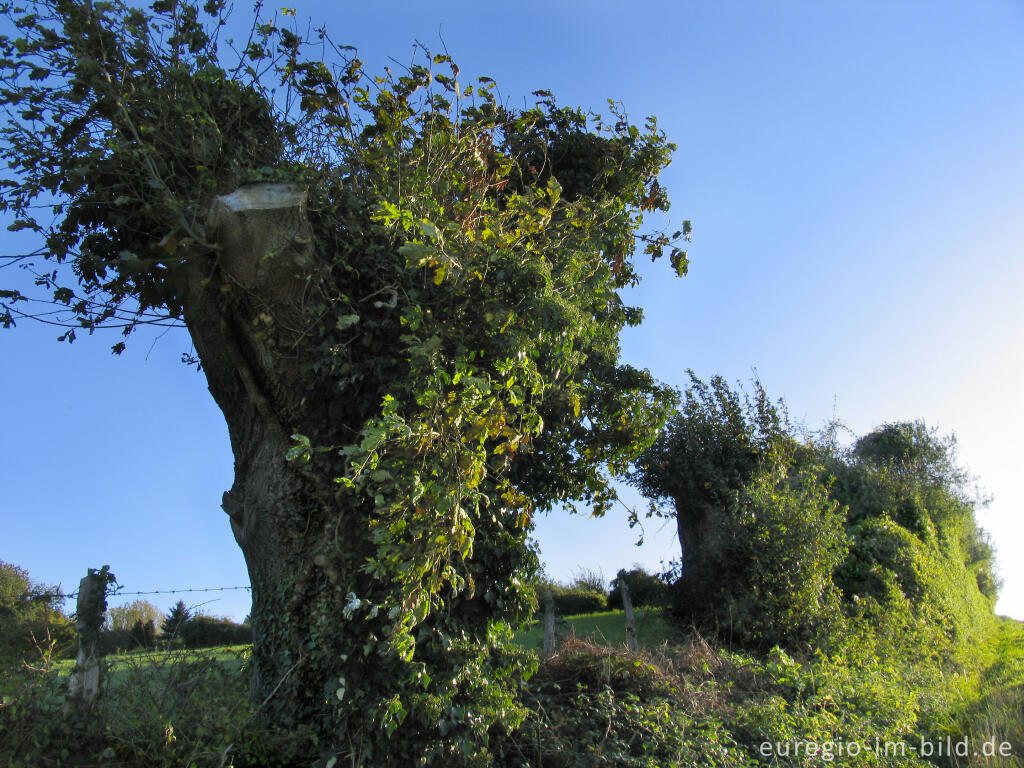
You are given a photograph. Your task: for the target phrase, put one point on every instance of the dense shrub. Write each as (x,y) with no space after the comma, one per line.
(769,551)
(113,641)
(691,704)
(31,622)
(140,612)
(570,601)
(593,705)
(717,440)
(185,708)
(916,546)
(144,633)
(585,593)
(645,589)
(210,631)
(594,581)
(782,544)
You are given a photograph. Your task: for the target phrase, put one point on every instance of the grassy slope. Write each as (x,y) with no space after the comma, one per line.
(997,713)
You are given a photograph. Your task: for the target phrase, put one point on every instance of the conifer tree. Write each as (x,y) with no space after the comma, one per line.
(173,621)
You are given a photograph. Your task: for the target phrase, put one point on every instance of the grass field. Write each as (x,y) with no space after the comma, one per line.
(230,655)
(608,628)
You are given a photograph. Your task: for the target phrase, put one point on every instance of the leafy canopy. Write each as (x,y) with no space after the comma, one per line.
(124,617)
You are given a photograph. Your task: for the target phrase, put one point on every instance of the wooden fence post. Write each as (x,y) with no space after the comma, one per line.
(627,605)
(549,624)
(84,683)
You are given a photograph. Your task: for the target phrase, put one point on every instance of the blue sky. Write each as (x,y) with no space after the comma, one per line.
(853,173)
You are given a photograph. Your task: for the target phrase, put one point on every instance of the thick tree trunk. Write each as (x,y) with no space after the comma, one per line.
(692,534)
(262,313)
(696,542)
(244,310)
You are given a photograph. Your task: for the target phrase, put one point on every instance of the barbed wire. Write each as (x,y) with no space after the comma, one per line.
(118,593)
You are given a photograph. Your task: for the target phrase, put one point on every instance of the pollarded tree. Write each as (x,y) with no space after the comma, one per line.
(405,299)
(760,535)
(713,444)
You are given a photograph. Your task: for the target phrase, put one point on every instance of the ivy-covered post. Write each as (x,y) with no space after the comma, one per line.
(84,683)
(627,605)
(549,624)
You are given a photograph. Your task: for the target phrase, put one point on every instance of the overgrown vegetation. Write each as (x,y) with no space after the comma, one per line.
(689,703)
(645,589)
(32,626)
(586,592)
(425,361)
(794,540)
(418,358)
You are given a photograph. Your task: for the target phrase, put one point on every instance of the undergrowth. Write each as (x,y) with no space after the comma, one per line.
(686,704)
(178,708)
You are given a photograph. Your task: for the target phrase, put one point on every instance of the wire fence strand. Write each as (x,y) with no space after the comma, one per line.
(118,593)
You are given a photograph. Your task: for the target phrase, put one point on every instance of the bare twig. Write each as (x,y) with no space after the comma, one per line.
(276,688)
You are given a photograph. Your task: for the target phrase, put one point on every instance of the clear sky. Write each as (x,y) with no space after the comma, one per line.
(854,175)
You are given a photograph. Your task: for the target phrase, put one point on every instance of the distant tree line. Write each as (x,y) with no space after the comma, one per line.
(33,624)
(140,624)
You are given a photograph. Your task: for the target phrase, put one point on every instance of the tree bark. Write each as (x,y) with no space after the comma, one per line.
(244,309)
(693,534)
(262,309)
(696,541)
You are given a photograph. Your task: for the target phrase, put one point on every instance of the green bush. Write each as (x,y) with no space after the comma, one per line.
(776,546)
(31,622)
(111,641)
(210,631)
(785,535)
(144,633)
(760,536)
(690,704)
(571,601)
(645,589)
(916,546)
(584,594)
